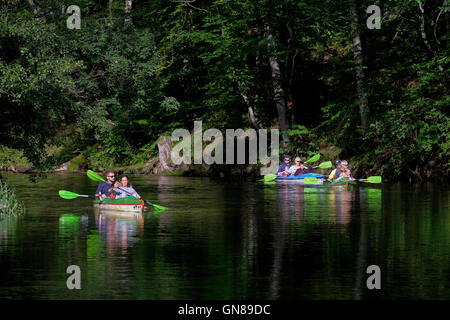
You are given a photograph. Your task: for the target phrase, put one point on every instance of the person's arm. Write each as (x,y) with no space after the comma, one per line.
(331,175)
(135,193)
(280,170)
(97,192)
(100,191)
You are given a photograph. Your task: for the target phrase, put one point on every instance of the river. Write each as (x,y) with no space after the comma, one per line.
(225,239)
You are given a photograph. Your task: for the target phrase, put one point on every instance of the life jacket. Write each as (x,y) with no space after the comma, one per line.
(301,171)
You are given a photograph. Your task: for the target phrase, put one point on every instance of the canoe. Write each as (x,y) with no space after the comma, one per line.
(300,178)
(343,182)
(126,205)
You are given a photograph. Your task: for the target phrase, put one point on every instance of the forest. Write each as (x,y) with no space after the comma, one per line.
(333,76)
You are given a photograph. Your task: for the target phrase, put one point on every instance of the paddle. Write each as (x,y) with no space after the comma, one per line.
(269,177)
(96,177)
(72,195)
(373,179)
(323,165)
(310,180)
(156,206)
(314,158)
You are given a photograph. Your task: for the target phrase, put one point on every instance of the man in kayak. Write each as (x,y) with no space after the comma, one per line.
(103,189)
(283,170)
(343,172)
(124,189)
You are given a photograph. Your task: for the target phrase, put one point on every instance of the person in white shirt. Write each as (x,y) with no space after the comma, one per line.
(124,189)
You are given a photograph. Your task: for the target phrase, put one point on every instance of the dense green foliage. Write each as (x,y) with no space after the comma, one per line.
(9,205)
(109,89)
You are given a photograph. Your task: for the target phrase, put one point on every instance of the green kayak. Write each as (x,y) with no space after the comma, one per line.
(342,182)
(127,204)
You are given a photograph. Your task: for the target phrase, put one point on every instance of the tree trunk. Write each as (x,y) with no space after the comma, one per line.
(128,5)
(276,83)
(33,7)
(423,34)
(110,9)
(360,78)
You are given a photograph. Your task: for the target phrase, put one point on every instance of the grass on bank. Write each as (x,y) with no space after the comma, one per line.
(9,205)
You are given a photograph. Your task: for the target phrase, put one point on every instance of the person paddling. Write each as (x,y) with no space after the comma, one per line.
(104,188)
(333,173)
(343,172)
(124,189)
(284,167)
(299,168)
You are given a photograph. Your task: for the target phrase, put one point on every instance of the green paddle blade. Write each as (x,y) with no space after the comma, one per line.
(310,180)
(95,176)
(325,165)
(374,179)
(313,159)
(68,194)
(159,208)
(270,177)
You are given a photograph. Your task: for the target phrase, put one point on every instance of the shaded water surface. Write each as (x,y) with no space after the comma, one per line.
(228,240)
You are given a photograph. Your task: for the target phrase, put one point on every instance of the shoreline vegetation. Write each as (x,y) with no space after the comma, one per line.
(163,166)
(100,96)
(9,205)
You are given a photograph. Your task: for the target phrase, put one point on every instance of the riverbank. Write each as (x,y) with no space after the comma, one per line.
(159,163)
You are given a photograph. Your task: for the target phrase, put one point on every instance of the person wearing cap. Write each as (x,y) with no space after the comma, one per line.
(343,172)
(333,173)
(284,167)
(298,167)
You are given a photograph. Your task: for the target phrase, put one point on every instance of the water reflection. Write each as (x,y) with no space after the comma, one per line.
(121,231)
(8,227)
(229,240)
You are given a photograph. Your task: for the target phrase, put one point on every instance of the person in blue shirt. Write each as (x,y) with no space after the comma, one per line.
(104,188)
(284,167)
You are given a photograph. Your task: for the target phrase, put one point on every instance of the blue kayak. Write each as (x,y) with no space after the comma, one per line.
(300,178)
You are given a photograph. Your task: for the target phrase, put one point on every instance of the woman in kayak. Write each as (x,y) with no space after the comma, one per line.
(124,189)
(298,168)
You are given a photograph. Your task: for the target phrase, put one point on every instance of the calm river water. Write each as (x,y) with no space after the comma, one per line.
(228,240)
